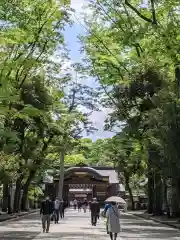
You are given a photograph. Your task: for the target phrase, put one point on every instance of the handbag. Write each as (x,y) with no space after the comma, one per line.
(53,216)
(103,214)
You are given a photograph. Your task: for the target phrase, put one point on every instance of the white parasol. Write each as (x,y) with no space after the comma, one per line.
(116,199)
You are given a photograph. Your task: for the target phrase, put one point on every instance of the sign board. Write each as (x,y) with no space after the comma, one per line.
(101,193)
(80,195)
(80,186)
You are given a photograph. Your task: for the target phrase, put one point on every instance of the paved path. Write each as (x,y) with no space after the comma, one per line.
(76,226)
(27,227)
(134,228)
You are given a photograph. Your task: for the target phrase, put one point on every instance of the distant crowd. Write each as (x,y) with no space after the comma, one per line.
(80,204)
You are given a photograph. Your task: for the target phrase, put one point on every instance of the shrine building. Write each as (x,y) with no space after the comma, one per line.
(86,182)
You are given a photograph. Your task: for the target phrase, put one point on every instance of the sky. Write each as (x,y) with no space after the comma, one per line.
(71,39)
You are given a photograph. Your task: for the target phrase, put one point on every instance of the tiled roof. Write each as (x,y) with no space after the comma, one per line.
(111,173)
(102,170)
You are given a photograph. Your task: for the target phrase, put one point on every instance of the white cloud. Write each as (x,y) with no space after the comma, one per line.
(77,5)
(81,9)
(98,118)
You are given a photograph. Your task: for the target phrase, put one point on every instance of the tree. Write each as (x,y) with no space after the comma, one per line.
(132,52)
(26,51)
(74,121)
(128,159)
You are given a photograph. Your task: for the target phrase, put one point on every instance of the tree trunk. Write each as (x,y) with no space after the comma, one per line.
(61,176)
(126,176)
(150,181)
(158,195)
(5,197)
(150,192)
(32,174)
(175,196)
(166,197)
(9,199)
(26,189)
(17,194)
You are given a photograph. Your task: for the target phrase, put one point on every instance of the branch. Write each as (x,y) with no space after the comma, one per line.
(25,76)
(137,12)
(110,18)
(46,143)
(33,44)
(103,44)
(106,92)
(137,50)
(73,101)
(154,20)
(78,133)
(137,46)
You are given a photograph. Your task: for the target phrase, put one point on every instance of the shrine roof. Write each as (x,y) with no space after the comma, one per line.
(112,174)
(103,171)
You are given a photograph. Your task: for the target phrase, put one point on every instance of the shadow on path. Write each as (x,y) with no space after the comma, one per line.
(77,226)
(71,235)
(27,227)
(137,228)
(18,235)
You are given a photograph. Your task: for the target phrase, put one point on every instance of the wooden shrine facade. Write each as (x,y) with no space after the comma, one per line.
(85,182)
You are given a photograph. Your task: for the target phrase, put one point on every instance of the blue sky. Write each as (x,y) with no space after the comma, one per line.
(71,39)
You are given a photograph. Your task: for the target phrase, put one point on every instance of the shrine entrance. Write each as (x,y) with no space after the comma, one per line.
(86,182)
(80,191)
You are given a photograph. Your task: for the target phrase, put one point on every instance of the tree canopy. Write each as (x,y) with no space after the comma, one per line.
(132,51)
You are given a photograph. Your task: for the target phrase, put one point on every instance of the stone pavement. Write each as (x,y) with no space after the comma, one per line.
(76,226)
(23,228)
(5,216)
(135,228)
(172,222)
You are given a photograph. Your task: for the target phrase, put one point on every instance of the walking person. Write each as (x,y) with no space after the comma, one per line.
(95,209)
(46,210)
(89,205)
(75,204)
(61,208)
(79,205)
(56,210)
(85,205)
(113,222)
(106,207)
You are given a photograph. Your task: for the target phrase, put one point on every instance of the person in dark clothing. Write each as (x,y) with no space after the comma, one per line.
(61,208)
(46,210)
(90,205)
(95,209)
(79,204)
